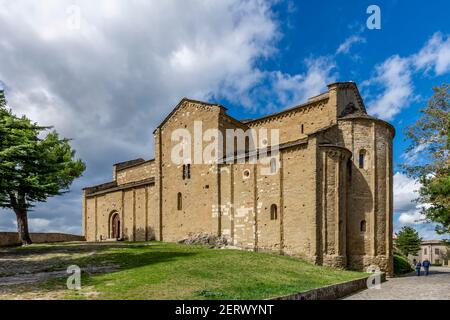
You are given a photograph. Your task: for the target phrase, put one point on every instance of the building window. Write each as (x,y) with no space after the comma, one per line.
(273,165)
(186,171)
(362,159)
(179,201)
(436,251)
(425,251)
(363,226)
(303,129)
(273,212)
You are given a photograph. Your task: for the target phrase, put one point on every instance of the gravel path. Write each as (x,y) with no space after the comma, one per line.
(411,287)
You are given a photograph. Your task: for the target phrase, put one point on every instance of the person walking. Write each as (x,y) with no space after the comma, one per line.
(426,266)
(418,267)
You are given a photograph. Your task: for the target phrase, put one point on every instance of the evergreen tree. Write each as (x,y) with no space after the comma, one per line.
(408,241)
(32,168)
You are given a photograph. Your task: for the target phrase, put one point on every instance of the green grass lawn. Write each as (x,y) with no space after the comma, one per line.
(155,270)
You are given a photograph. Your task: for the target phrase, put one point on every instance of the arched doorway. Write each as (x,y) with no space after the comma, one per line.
(115,226)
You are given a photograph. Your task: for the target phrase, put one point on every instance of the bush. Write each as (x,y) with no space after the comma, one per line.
(401,265)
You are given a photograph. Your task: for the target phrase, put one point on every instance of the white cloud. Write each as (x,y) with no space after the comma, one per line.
(434,55)
(395,74)
(411,218)
(348,43)
(405,192)
(293,89)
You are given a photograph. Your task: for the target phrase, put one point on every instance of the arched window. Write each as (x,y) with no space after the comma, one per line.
(273,212)
(362,159)
(363,226)
(179,201)
(273,165)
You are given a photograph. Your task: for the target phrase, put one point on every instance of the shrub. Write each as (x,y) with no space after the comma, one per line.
(401,265)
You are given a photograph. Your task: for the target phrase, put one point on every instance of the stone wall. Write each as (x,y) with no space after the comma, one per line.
(12,238)
(332,292)
(299,122)
(137,172)
(199,192)
(136,206)
(370,192)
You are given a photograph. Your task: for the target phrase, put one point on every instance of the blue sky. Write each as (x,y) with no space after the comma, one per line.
(115,71)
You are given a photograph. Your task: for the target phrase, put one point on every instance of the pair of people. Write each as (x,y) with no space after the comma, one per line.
(426,266)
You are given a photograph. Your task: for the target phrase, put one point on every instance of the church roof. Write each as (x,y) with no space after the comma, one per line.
(312,100)
(181,103)
(113,186)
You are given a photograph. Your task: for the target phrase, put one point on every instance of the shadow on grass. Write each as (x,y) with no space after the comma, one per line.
(88,256)
(70,247)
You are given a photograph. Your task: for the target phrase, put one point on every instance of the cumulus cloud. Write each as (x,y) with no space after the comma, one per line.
(435,55)
(394,76)
(291,89)
(405,192)
(105,73)
(345,46)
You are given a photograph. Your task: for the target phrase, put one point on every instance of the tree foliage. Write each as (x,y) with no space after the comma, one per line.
(33,167)
(430,145)
(408,241)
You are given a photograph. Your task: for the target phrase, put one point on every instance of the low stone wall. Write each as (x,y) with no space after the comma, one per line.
(332,292)
(12,238)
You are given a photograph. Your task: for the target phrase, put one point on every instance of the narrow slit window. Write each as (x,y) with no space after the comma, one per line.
(363,226)
(184,171)
(362,159)
(179,201)
(189,171)
(273,212)
(303,128)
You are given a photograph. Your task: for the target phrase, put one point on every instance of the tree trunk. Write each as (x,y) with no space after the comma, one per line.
(22,226)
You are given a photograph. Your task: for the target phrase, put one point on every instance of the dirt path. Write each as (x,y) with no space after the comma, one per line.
(21,269)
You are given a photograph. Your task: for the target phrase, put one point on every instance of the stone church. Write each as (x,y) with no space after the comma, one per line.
(327,198)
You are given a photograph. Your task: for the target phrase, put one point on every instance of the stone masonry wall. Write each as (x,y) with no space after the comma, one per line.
(135,173)
(200,192)
(138,215)
(12,238)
